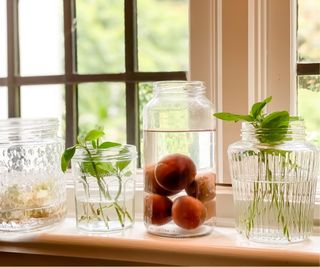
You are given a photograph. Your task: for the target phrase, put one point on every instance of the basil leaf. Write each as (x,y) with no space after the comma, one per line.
(276,119)
(94,135)
(232,117)
(66,157)
(109,145)
(258,107)
(294,118)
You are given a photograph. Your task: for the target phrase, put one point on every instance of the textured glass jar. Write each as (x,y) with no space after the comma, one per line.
(179,171)
(105,188)
(274,185)
(32,189)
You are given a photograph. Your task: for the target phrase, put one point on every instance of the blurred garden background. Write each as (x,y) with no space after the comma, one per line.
(163,39)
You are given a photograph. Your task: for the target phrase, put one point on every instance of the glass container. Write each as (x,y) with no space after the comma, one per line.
(179,170)
(105,188)
(274,184)
(32,189)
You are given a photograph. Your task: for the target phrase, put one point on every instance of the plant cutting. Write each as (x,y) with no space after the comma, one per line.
(274,174)
(104,182)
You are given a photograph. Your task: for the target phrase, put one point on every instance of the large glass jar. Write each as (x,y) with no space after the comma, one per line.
(179,171)
(32,189)
(104,182)
(274,183)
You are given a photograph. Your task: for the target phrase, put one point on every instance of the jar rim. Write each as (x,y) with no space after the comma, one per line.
(13,124)
(121,152)
(179,86)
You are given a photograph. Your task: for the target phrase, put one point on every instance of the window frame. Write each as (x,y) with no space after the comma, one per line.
(70,79)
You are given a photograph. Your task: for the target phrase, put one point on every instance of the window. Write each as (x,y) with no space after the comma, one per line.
(89,62)
(308,66)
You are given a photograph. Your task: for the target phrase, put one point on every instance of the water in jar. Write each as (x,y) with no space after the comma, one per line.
(198,145)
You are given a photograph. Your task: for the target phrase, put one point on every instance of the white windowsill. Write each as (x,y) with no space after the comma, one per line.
(222,247)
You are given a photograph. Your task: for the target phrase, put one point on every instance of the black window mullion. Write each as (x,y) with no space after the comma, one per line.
(70,89)
(14,109)
(131,64)
(308,68)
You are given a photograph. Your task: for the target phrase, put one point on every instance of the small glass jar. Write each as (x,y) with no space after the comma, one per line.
(179,169)
(32,191)
(105,188)
(274,184)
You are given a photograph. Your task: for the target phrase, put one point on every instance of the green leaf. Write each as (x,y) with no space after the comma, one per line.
(232,117)
(258,107)
(122,164)
(276,119)
(294,118)
(109,145)
(94,135)
(66,157)
(94,143)
(98,169)
(128,173)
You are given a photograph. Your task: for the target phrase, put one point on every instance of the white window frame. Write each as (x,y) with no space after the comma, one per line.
(260,41)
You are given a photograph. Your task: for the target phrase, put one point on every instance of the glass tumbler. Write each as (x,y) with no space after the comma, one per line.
(274,184)
(105,188)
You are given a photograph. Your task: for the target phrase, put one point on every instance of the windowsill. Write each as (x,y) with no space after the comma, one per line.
(222,247)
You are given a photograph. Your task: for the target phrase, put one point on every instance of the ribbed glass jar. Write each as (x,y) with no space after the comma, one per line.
(32,188)
(105,188)
(274,184)
(179,170)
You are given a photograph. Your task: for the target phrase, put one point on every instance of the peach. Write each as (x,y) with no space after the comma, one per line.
(151,185)
(203,186)
(174,172)
(188,212)
(157,209)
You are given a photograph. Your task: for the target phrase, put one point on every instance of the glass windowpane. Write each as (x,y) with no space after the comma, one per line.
(3,38)
(44,101)
(100,36)
(3,102)
(309,30)
(103,104)
(41,37)
(163,35)
(308,105)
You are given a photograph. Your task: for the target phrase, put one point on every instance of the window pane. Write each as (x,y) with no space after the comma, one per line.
(163,35)
(44,101)
(3,38)
(308,105)
(3,102)
(100,36)
(103,104)
(41,37)
(309,30)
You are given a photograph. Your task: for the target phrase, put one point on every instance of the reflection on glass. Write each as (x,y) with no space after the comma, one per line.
(44,101)
(103,105)
(3,102)
(41,37)
(163,35)
(308,105)
(100,36)
(145,94)
(3,38)
(309,30)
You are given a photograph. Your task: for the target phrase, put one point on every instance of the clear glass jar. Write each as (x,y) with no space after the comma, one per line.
(32,191)
(274,184)
(179,170)
(105,188)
